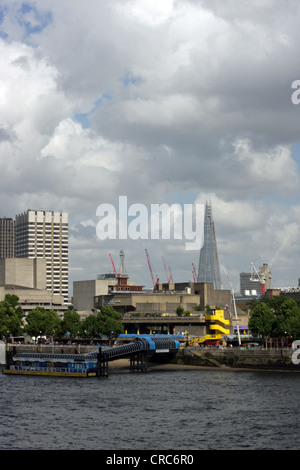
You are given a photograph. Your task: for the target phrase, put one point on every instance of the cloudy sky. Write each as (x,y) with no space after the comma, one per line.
(161,101)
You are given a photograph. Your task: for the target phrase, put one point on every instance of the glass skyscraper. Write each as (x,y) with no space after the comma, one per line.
(209,269)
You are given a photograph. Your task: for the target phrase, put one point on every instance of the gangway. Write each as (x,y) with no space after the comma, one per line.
(94,363)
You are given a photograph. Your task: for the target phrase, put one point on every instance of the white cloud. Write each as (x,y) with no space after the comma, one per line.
(152,12)
(153,100)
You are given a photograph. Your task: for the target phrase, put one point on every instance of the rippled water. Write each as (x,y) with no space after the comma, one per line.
(179,410)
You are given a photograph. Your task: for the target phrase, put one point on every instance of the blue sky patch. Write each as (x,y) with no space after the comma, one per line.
(3,35)
(84,118)
(32,19)
(296,153)
(130,79)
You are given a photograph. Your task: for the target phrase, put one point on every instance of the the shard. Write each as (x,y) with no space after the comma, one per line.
(209,269)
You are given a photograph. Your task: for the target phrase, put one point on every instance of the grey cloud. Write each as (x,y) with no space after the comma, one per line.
(210,75)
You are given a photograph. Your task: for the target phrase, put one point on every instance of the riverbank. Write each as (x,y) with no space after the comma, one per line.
(237,358)
(230,361)
(192,358)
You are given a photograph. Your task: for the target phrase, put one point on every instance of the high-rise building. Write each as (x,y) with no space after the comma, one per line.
(7,238)
(44,234)
(209,269)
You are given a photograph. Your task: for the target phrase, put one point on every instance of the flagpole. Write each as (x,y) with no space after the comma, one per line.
(235,312)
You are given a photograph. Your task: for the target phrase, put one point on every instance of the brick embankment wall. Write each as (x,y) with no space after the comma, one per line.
(238,358)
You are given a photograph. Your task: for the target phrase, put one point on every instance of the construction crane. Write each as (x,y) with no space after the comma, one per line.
(194,273)
(258,276)
(155,284)
(113,265)
(168,278)
(122,269)
(261,274)
(171,276)
(280,248)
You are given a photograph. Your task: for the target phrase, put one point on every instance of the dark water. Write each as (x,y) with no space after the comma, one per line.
(179,410)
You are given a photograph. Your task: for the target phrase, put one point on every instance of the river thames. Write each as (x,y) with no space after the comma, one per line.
(199,409)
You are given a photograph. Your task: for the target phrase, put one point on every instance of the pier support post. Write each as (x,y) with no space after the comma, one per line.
(8,359)
(102,365)
(138,361)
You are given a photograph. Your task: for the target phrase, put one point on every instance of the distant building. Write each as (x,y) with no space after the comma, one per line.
(249,287)
(257,282)
(7,238)
(85,292)
(26,278)
(44,234)
(25,272)
(209,269)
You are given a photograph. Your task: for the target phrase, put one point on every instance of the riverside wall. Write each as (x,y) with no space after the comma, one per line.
(234,358)
(237,358)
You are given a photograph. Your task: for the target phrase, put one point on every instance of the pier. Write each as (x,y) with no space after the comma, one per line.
(95,363)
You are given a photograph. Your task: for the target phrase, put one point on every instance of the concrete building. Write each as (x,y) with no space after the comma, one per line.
(7,238)
(44,234)
(26,278)
(30,273)
(89,296)
(153,311)
(85,292)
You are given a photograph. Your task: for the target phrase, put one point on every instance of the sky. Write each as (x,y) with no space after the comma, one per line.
(161,101)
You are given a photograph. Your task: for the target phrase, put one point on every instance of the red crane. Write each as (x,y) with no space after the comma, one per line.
(168,278)
(152,277)
(113,265)
(171,276)
(195,273)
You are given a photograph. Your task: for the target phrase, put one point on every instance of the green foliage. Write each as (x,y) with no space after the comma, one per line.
(108,322)
(10,317)
(180,311)
(71,324)
(275,317)
(42,322)
(186,313)
(262,320)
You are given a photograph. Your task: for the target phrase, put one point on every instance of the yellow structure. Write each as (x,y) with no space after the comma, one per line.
(46,373)
(217,329)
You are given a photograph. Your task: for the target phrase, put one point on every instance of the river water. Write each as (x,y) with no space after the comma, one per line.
(180,410)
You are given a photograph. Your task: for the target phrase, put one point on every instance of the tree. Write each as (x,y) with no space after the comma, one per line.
(110,322)
(275,317)
(90,327)
(42,322)
(261,320)
(107,322)
(11,317)
(180,311)
(71,324)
